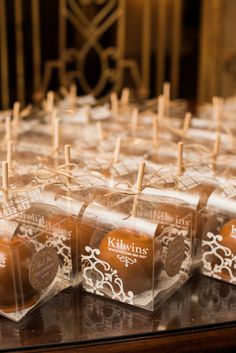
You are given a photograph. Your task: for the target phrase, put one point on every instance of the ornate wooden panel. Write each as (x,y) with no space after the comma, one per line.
(46,44)
(112,58)
(210,42)
(4,56)
(217,65)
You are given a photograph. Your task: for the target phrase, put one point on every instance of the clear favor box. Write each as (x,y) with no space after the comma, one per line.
(35,252)
(69,206)
(69,192)
(193,186)
(136,250)
(219,237)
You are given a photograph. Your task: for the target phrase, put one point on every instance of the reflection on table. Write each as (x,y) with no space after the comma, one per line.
(75,317)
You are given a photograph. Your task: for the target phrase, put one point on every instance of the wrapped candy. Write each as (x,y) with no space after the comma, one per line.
(35,250)
(219,240)
(122,236)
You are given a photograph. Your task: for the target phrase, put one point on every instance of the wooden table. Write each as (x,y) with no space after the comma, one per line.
(200,317)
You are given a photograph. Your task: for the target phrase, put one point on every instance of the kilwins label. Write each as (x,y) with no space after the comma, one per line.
(39,223)
(127,253)
(165,217)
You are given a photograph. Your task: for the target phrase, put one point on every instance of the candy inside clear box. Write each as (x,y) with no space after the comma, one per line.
(35,252)
(219,235)
(193,186)
(136,250)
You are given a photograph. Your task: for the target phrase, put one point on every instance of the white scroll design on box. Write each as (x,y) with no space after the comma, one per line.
(58,239)
(99,277)
(126,260)
(218,259)
(2,261)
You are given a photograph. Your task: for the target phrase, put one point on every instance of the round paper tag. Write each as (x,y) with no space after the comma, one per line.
(175,256)
(43,268)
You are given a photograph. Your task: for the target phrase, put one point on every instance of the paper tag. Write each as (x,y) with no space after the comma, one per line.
(97,164)
(39,149)
(18,202)
(125,167)
(175,256)
(43,268)
(228,189)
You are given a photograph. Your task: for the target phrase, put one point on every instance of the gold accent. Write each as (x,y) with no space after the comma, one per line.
(108,14)
(120,50)
(168,11)
(62,37)
(4,56)
(161,43)
(20,71)
(146,37)
(36,44)
(209,61)
(112,12)
(175,48)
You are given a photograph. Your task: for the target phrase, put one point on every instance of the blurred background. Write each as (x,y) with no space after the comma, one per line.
(104,45)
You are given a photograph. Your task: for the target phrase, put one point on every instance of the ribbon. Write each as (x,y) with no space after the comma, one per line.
(63,175)
(157,184)
(45,173)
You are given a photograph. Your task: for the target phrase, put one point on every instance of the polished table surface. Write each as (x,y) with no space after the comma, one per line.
(76,322)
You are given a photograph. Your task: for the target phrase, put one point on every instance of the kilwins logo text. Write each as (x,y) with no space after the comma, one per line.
(123,247)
